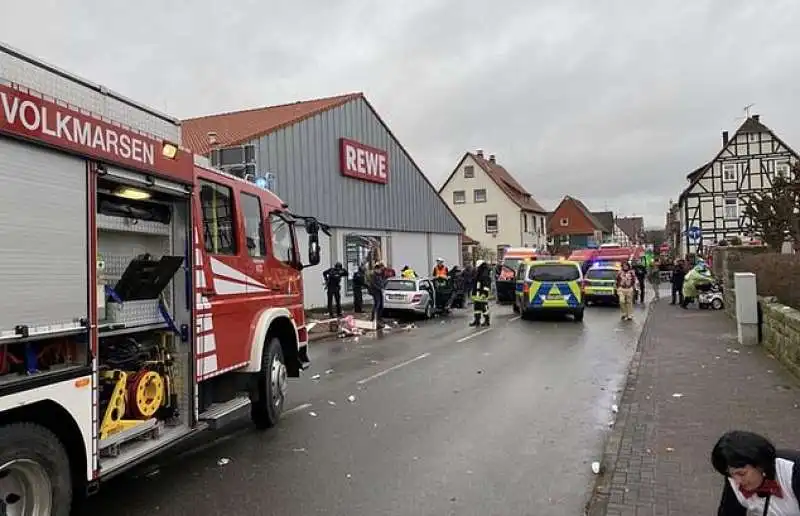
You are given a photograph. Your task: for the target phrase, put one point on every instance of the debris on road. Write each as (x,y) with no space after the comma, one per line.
(224,461)
(312,414)
(315,377)
(331,403)
(615,408)
(596,468)
(677,395)
(351,398)
(329,371)
(299,450)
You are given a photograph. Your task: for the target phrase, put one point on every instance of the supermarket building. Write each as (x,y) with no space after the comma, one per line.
(335,159)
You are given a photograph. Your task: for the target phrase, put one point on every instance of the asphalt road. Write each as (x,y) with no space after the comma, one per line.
(445,419)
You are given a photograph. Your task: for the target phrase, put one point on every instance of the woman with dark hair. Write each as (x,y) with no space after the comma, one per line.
(760,480)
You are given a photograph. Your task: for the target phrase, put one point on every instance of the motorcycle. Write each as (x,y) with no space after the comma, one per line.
(709,295)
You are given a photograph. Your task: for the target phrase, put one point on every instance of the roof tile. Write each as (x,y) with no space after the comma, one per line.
(238,127)
(515,191)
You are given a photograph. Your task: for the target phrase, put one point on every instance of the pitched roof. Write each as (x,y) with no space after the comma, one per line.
(505,181)
(633,227)
(466,240)
(593,220)
(606,220)
(751,125)
(237,127)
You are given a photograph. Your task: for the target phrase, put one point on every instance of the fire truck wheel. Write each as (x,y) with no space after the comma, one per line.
(267,406)
(34,472)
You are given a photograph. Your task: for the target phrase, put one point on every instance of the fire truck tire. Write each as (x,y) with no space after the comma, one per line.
(267,405)
(34,467)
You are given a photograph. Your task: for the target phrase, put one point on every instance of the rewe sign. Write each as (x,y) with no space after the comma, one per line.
(363,162)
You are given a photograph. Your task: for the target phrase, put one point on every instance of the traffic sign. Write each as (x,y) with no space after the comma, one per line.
(694,233)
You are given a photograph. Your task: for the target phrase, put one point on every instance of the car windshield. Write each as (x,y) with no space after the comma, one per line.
(402,285)
(601,274)
(554,272)
(512,263)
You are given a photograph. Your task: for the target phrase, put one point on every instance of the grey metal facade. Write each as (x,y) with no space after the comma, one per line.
(304,158)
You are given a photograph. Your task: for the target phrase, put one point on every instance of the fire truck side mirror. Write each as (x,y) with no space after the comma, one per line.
(313,249)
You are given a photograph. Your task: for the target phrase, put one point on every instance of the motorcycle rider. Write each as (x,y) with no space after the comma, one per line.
(480,294)
(697,276)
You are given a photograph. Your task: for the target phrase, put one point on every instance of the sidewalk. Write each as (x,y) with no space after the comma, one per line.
(688,383)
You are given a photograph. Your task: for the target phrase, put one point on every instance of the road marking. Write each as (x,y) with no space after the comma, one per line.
(472,336)
(389,370)
(297,409)
(515,318)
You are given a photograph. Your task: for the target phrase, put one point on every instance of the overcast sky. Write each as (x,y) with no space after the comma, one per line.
(613,102)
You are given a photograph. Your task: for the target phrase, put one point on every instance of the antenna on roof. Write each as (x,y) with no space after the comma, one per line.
(746,110)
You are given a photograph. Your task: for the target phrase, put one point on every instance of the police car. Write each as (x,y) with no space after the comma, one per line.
(600,283)
(549,286)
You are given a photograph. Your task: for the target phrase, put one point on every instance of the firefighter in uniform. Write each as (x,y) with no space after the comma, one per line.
(481,290)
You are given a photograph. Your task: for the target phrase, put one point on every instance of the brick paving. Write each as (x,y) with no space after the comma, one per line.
(657,458)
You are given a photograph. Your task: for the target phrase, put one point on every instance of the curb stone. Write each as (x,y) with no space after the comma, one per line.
(600,495)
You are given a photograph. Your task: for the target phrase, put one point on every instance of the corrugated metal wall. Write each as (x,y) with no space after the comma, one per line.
(305,160)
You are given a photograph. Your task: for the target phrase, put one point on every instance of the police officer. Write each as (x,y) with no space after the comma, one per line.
(359,281)
(333,283)
(480,293)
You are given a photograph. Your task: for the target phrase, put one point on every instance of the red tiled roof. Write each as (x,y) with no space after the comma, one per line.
(241,126)
(515,191)
(633,227)
(466,240)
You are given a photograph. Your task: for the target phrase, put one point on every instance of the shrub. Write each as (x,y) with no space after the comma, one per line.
(776,275)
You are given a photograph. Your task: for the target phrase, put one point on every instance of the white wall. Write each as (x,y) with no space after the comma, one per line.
(447,247)
(410,249)
(473,214)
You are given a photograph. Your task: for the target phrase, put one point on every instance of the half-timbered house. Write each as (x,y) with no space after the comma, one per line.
(711,208)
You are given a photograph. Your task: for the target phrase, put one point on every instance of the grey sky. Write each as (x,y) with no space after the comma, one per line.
(613,102)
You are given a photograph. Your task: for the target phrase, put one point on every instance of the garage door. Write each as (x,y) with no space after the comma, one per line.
(43,237)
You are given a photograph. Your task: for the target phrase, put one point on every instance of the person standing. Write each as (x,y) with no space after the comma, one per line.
(359,279)
(678,274)
(654,277)
(440,269)
(640,269)
(626,285)
(758,478)
(376,284)
(480,294)
(333,284)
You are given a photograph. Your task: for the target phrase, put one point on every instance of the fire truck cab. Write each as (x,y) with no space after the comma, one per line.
(146,295)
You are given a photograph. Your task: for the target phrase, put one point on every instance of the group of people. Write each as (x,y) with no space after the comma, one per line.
(686,281)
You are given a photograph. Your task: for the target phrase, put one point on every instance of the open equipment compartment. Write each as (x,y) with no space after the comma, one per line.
(144,316)
(43,269)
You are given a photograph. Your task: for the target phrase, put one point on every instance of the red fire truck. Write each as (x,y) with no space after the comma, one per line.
(145,296)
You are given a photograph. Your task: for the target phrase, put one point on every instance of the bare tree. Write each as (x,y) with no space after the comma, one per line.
(772,212)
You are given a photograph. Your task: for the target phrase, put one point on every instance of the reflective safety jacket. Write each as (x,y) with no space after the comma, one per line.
(440,271)
(409,274)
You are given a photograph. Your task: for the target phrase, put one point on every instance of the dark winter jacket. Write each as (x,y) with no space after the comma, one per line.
(377,282)
(483,278)
(678,273)
(333,277)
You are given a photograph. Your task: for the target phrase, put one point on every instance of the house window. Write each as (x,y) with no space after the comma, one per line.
(541,224)
(564,240)
(782,170)
(564,222)
(729,172)
(459,197)
(469,172)
(490,222)
(525,222)
(480,195)
(218,218)
(253,226)
(731,208)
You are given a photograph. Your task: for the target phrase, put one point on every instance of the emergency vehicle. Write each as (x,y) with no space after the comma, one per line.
(512,258)
(146,296)
(600,283)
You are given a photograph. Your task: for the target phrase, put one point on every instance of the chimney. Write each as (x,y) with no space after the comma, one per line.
(212,138)
(724,138)
(757,118)
(491,158)
(479,153)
